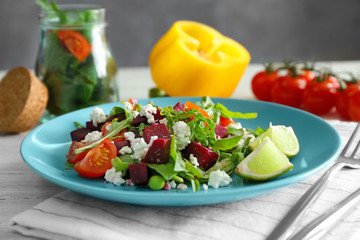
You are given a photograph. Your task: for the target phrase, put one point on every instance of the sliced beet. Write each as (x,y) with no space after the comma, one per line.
(120,144)
(206,157)
(119,117)
(90,125)
(139,173)
(158,116)
(220,130)
(179,107)
(138,120)
(157,129)
(159,151)
(79,134)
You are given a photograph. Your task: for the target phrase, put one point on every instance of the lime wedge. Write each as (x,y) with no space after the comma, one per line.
(264,163)
(283,137)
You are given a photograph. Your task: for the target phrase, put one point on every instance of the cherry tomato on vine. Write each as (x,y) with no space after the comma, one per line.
(262,83)
(288,90)
(354,106)
(321,94)
(309,75)
(342,102)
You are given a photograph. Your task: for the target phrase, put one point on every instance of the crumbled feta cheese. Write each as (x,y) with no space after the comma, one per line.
(205,187)
(129,136)
(140,148)
(148,111)
(235,125)
(182,186)
(114,177)
(125,150)
(129,182)
(164,120)
(172,184)
(219,178)
(97,116)
(182,134)
(92,136)
(138,145)
(128,106)
(194,160)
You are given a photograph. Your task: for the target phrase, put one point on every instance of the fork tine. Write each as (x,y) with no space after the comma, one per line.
(351,141)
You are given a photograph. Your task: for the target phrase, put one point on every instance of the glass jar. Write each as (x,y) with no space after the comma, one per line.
(74,60)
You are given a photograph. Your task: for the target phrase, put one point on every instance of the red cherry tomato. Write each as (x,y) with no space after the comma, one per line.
(354,106)
(320,95)
(76,43)
(262,83)
(73,157)
(97,160)
(288,90)
(342,102)
(225,121)
(309,75)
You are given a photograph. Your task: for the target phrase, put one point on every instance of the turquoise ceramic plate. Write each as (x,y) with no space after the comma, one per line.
(44,150)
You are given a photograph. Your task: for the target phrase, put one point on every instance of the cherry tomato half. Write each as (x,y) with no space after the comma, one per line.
(320,96)
(118,137)
(76,43)
(288,90)
(76,157)
(342,102)
(262,83)
(97,160)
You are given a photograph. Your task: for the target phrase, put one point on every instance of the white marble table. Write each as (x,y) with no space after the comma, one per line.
(21,188)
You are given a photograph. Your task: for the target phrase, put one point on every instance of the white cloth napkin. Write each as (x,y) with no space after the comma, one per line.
(69,215)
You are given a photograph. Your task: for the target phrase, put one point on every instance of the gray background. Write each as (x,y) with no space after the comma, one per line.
(270,29)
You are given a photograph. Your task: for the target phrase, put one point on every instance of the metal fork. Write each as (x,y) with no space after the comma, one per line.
(288,224)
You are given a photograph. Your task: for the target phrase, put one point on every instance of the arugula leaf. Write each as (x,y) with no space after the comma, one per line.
(237,157)
(175,154)
(115,127)
(235,131)
(116,110)
(206,104)
(195,184)
(227,143)
(166,170)
(174,116)
(78,125)
(257,132)
(119,165)
(225,165)
(202,129)
(195,171)
(229,114)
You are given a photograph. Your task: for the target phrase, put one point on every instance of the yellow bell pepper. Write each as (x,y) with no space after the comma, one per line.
(193,59)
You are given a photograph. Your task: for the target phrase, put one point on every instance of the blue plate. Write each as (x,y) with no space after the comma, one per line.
(44,150)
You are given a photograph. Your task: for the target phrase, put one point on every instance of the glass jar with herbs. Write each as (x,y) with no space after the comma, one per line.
(74,60)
